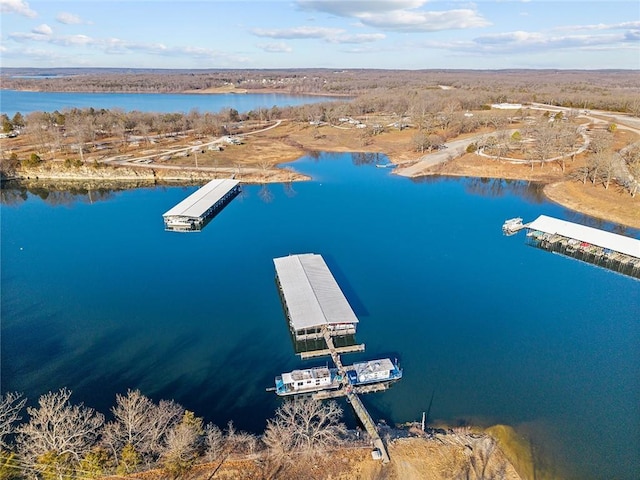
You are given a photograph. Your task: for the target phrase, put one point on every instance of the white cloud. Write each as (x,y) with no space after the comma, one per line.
(43,29)
(331,35)
(279,47)
(400,15)
(602,26)
(17,6)
(357,38)
(69,18)
(297,32)
(523,42)
(406,21)
(350,8)
(116,46)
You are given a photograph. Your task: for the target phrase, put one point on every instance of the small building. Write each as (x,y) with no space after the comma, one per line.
(312,299)
(192,212)
(507,106)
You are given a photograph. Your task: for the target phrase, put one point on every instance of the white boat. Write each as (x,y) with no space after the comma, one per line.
(374,371)
(513,225)
(318,379)
(308,381)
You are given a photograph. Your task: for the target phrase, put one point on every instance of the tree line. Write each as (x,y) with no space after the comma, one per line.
(436,115)
(60,440)
(614,90)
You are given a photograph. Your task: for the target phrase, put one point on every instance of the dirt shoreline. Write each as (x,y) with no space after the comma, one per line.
(263,154)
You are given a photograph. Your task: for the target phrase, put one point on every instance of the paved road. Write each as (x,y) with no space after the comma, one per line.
(456,148)
(453,149)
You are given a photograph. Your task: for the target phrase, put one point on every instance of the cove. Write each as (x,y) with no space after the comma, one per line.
(97,297)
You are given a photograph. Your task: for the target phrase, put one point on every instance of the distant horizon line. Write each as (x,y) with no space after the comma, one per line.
(336,70)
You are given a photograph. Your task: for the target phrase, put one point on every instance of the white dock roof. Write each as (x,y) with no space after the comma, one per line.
(594,236)
(197,204)
(312,296)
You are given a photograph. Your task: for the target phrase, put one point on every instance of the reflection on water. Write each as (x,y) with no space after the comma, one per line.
(99,298)
(15,193)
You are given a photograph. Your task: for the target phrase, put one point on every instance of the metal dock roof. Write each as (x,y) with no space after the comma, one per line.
(312,296)
(612,241)
(198,203)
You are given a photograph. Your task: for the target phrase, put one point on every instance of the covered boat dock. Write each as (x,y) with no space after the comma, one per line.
(605,249)
(312,299)
(192,212)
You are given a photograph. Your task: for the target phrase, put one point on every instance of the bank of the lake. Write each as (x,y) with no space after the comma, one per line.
(98,297)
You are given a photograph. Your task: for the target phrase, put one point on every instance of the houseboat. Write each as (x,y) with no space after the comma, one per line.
(309,380)
(374,371)
(319,379)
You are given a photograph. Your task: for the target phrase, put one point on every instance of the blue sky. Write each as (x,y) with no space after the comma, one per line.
(393,34)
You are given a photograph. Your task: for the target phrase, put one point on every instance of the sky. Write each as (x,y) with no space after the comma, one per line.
(336,34)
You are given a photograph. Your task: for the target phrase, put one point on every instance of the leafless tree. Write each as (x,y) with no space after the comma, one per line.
(142,424)
(545,145)
(631,157)
(58,434)
(182,445)
(304,427)
(11,404)
(40,131)
(214,442)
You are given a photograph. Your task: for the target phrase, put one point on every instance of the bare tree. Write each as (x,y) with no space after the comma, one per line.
(183,445)
(545,144)
(141,424)
(11,405)
(304,427)
(214,442)
(58,434)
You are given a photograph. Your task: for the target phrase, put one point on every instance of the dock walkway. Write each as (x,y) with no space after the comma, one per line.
(351,393)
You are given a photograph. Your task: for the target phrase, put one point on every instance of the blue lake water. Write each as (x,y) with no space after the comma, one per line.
(96,296)
(12,101)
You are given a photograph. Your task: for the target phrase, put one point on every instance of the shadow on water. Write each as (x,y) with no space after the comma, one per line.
(346,286)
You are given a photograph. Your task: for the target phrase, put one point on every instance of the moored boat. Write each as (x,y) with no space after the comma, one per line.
(374,371)
(318,379)
(308,381)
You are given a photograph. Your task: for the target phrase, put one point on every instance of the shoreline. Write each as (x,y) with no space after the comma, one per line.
(268,155)
(207,91)
(553,191)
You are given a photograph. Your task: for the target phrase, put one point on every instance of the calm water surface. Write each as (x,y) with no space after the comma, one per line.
(96,296)
(12,101)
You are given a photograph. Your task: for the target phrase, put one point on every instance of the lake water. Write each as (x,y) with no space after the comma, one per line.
(12,101)
(96,296)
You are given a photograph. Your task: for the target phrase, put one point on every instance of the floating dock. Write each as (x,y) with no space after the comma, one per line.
(312,299)
(592,245)
(192,213)
(317,310)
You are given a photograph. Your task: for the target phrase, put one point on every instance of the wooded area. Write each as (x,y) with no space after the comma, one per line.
(62,440)
(615,90)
